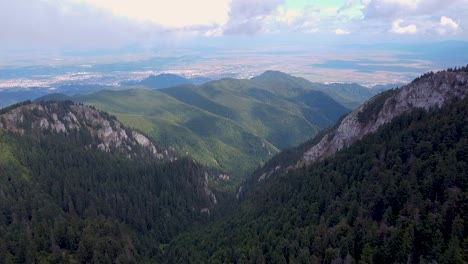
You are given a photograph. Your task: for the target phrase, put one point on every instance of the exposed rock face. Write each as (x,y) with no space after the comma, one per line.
(207,190)
(267,175)
(429,91)
(62,117)
(224,177)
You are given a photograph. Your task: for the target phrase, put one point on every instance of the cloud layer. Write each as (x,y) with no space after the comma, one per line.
(116,23)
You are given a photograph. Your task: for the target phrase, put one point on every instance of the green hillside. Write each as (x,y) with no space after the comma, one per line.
(211,139)
(397,196)
(63,200)
(230,125)
(350,95)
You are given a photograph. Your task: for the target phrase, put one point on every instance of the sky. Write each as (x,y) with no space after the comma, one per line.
(114,24)
(376,41)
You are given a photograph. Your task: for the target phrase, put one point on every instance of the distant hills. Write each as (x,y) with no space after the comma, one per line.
(351,95)
(250,120)
(343,95)
(10,96)
(164,80)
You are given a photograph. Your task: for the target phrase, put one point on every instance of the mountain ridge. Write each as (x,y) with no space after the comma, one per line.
(222,119)
(396,195)
(67,117)
(77,186)
(431,90)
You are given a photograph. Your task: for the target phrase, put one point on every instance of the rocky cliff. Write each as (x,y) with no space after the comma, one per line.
(67,117)
(430,90)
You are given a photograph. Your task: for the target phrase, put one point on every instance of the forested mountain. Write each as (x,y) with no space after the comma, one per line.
(231,125)
(398,194)
(78,187)
(164,80)
(351,95)
(431,90)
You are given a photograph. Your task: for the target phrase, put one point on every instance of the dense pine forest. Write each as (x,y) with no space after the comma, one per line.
(63,202)
(398,196)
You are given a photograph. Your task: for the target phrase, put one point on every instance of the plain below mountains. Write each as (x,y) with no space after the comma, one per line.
(166,80)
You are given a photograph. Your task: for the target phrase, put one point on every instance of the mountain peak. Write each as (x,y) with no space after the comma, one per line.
(164,80)
(428,91)
(269,74)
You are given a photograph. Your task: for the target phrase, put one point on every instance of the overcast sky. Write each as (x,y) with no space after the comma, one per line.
(113,24)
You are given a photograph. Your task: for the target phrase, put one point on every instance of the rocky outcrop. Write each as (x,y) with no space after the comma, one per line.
(207,190)
(266,175)
(66,117)
(431,90)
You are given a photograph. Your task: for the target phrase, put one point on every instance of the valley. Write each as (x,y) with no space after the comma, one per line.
(230,125)
(295,177)
(233,132)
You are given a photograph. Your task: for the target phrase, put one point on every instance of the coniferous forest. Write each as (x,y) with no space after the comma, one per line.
(61,202)
(399,195)
(233,132)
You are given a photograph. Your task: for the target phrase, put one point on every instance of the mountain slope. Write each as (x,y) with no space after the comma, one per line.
(347,94)
(397,195)
(231,125)
(431,90)
(351,95)
(76,186)
(281,119)
(209,138)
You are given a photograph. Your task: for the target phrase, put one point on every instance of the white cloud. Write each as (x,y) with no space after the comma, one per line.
(288,16)
(340,31)
(445,21)
(248,17)
(306,19)
(171,13)
(447,26)
(113,24)
(398,8)
(214,32)
(397,28)
(56,24)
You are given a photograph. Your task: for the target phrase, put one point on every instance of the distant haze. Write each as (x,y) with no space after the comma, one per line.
(109,41)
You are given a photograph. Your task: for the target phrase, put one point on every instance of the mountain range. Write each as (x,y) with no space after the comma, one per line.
(12,95)
(386,183)
(231,125)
